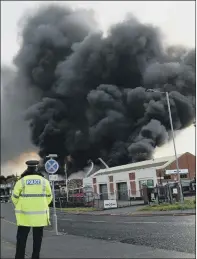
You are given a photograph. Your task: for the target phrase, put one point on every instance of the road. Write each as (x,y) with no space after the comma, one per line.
(175,235)
(164,232)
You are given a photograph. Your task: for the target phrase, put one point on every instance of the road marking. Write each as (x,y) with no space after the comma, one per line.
(13,223)
(103,221)
(13,246)
(97,221)
(9,222)
(67,219)
(139,222)
(86,221)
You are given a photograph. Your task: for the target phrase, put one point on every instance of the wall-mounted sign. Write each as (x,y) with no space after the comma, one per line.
(108,204)
(181,171)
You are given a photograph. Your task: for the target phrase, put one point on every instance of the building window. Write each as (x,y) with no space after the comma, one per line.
(183,175)
(167,177)
(111,178)
(149,183)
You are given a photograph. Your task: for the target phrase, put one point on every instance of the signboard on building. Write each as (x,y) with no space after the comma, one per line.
(109,204)
(181,171)
(175,191)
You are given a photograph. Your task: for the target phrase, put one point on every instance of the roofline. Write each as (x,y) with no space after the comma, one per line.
(111,169)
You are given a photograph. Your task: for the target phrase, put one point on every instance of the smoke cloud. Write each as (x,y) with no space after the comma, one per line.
(15,133)
(89,94)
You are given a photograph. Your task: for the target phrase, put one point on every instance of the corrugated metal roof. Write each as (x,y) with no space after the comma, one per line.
(153,163)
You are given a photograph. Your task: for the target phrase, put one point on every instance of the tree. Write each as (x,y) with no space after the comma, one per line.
(11,178)
(2,179)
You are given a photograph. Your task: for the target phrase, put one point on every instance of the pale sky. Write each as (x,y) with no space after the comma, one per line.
(176,20)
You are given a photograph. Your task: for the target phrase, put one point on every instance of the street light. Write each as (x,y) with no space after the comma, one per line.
(91,168)
(92,165)
(101,160)
(173,138)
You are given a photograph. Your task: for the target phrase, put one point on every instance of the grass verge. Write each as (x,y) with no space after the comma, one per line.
(79,209)
(188,204)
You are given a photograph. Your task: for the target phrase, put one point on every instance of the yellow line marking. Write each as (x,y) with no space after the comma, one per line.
(16,225)
(13,246)
(9,222)
(9,243)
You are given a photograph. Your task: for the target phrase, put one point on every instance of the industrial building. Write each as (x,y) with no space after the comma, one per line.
(125,182)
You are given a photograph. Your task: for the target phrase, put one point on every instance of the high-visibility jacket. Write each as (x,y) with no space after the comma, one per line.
(31,197)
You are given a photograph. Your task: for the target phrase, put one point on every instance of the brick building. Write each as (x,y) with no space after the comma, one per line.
(125,182)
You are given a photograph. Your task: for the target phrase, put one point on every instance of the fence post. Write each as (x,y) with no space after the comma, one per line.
(129,195)
(60,203)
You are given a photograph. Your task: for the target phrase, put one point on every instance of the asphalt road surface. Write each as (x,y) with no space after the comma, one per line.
(162,232)
(175,233)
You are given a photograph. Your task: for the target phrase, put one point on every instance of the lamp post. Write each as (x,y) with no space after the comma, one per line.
(101,160)
(92,165)
(173,138)
(91,168)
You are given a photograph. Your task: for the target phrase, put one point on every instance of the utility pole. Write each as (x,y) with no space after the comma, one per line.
(173,139)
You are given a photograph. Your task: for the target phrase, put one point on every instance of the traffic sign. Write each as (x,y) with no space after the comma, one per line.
(51,166)
(53,177)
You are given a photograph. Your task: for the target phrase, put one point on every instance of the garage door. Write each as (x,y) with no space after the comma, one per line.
(103,192)
(122,191)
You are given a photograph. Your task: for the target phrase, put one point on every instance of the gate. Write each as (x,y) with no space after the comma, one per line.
(103,192)
(122,191)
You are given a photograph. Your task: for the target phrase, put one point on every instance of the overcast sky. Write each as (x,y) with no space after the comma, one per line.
(175,18)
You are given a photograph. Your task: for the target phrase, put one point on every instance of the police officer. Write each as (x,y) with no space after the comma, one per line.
(31,197)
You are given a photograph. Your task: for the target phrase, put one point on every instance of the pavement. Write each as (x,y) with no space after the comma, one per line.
(85,236)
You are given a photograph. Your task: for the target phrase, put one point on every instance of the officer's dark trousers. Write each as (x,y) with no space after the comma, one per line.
(22,235)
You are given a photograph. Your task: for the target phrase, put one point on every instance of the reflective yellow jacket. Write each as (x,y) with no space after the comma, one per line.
(31,197)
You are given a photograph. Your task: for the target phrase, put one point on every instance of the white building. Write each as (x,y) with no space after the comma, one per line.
(125,182)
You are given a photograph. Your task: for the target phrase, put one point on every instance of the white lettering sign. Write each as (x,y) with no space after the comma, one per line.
(175,191)
(108,204)
(181,171)
(53,177)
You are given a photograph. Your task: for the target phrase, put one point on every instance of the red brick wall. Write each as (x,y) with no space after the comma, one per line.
(94,185)
(111,184)
(132,183)
(186,161)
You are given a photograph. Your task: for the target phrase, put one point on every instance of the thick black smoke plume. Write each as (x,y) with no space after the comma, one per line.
(91,90)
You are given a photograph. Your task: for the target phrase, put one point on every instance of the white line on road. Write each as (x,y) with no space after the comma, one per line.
(68,219)
(140,222)
(97,221)
(102,221)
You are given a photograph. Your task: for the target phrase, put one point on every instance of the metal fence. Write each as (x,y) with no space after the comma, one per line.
(168,193)
(123,199)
